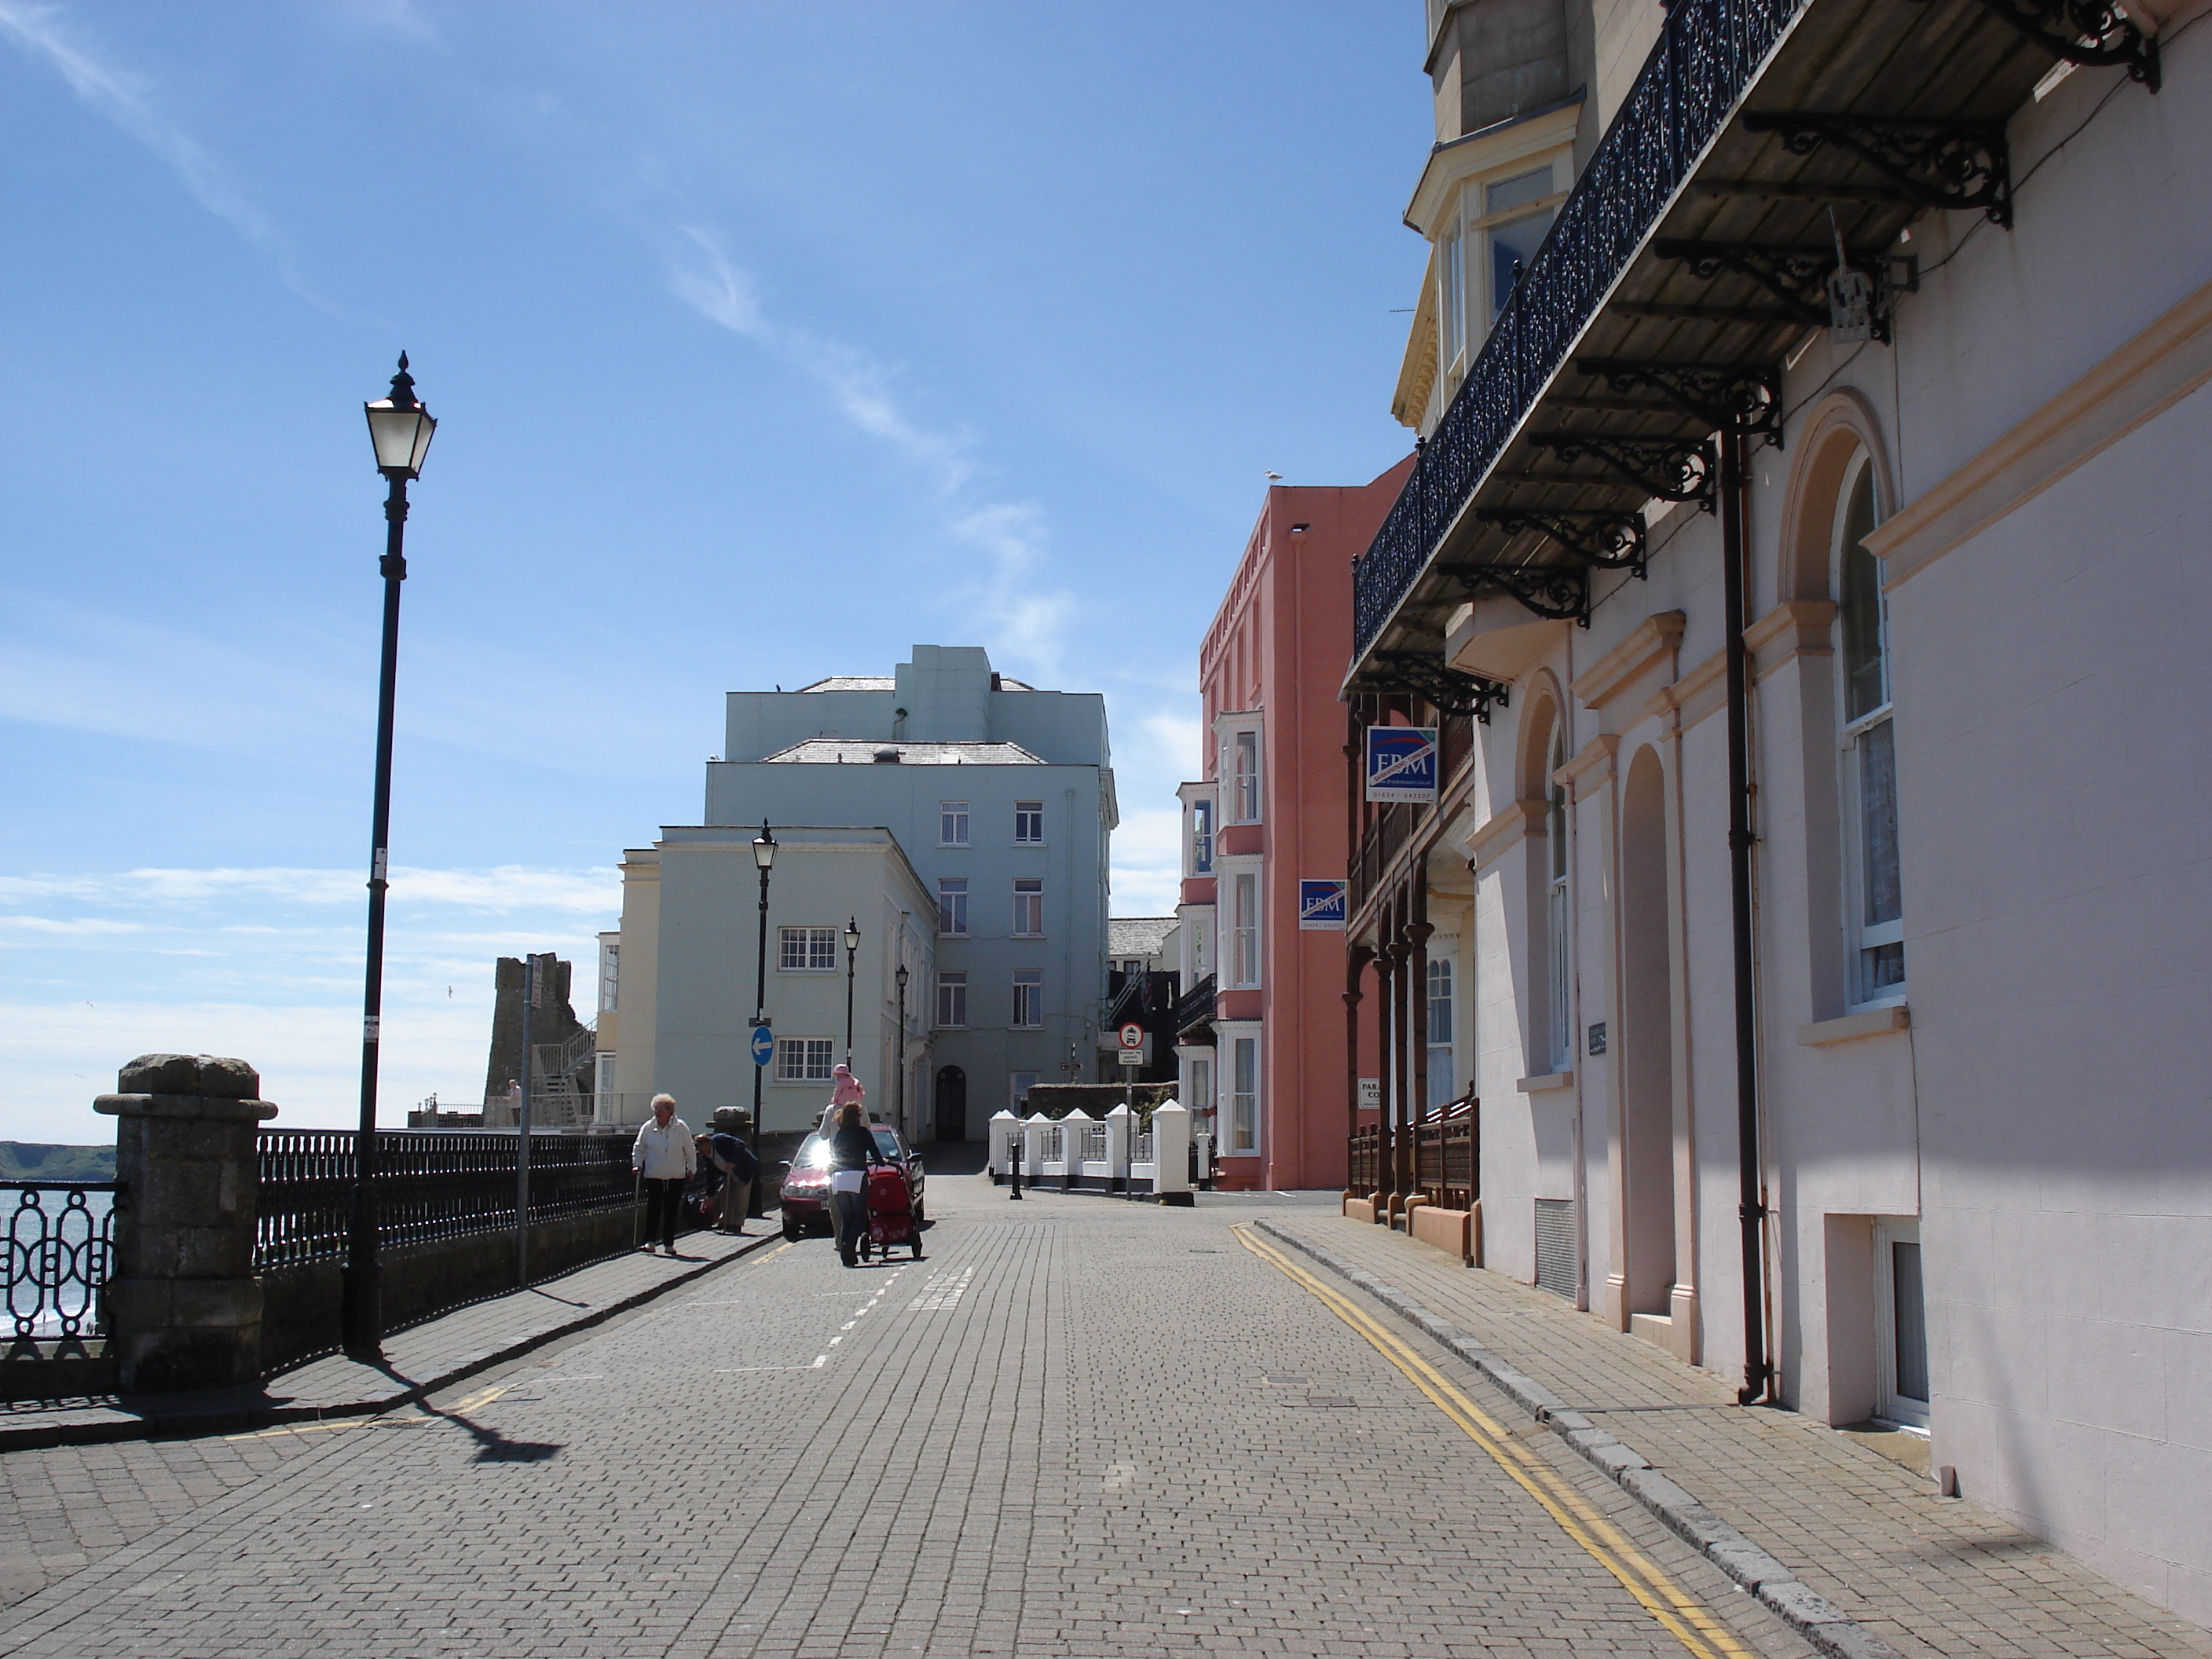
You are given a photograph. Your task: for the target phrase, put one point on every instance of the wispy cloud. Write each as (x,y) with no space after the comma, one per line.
(505,888)
(1028,617)
(126,99)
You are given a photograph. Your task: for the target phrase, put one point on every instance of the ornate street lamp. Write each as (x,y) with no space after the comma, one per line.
(400,430)
(852,955)
(764,856)
(901,976)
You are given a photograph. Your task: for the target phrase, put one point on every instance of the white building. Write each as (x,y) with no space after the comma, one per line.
(1820,654)
(962,817)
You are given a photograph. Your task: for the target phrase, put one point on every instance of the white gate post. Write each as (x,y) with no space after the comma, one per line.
(1171,1149)
(1120,1142)
(1006,1136)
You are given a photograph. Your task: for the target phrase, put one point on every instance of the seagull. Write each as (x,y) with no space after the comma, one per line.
(1274,477)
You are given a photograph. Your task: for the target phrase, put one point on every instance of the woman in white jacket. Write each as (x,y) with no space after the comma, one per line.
(664,1156)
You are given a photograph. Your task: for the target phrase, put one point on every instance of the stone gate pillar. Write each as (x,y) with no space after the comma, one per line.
(184,1307)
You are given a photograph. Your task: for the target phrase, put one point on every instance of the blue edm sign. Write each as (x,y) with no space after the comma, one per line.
(1320,905)
(763,1045)
(1401,763)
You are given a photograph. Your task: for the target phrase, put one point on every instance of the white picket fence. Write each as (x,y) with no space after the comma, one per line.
(1108,1154)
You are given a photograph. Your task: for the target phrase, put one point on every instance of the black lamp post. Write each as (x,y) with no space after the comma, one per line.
(852,956)
(901,976)
(764,856)
(400,429)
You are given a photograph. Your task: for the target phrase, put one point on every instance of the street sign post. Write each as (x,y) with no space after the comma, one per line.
(763,1044)
(1132,1035)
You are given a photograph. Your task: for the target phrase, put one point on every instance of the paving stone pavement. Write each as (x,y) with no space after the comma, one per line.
(1078,1428)
(71,1504)
(435,1351)
(1928,1575)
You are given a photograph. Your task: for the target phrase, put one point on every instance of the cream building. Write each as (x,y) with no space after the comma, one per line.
(1817,651)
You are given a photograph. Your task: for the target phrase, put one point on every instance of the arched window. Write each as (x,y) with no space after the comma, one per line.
(1874,910)
(1557,927)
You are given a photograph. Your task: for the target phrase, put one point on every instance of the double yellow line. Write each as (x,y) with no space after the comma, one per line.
(1683,1616)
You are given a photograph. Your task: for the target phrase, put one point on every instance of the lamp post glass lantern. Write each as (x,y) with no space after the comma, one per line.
(400,430)
(763,857)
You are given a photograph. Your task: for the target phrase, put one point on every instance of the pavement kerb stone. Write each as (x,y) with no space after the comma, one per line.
(1819,1620)
(229,1420)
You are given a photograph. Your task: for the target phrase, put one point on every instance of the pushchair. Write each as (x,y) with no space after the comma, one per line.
(891,1212)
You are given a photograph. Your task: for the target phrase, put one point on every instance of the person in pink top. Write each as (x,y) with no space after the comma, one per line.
(846,1088)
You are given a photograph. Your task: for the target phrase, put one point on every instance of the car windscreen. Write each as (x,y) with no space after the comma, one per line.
(887,1144)
(813,1153)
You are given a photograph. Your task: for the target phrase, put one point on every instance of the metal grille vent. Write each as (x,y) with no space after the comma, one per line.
(1555,1246)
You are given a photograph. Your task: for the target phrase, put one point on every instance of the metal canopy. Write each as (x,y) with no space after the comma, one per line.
(1867,113)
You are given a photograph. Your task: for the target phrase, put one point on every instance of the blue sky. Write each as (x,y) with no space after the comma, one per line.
(766,340)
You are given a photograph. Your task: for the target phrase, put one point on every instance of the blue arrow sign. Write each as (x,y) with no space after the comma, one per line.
(763,1045)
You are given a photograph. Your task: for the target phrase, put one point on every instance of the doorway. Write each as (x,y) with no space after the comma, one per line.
(1646,1044)
(1901,1383)
(951,1103)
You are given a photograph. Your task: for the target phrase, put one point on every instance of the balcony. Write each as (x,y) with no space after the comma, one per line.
(1692,253)
(1194,1012)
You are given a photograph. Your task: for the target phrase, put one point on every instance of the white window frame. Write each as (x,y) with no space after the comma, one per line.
(1201,837)
(1862,937)
(1482,224)
(1029,907)
(952,824)
(1029,999)
(1029,823)
(1246,801)
(953,907)
(1444,1071)
(1241,1135)
(811,942)
(610,977)
(1890,1405)
(1202,1088)
(795,1058)
(951,1009)
(1245,964)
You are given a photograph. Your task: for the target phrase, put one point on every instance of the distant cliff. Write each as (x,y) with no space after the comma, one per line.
(24,1160)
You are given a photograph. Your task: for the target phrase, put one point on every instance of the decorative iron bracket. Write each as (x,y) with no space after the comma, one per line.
(1672,468)
(1444,687)
(1798,276)
(2092,32)
(1558,593)
(1957,165)
(1611,541)
(1727,396)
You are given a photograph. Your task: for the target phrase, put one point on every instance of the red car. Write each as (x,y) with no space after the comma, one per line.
(805,1196)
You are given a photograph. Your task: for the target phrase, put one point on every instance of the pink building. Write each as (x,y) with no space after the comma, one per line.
(1261,1044)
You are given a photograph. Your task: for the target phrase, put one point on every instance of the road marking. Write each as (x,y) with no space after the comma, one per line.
(1680,1613)
(296,1428)
(941,1299)
(731,1370)
(483,1397)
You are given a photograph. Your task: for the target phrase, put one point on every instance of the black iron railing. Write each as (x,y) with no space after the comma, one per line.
(1703,61)
(1194,1006)
(429,1187)
(60,1249)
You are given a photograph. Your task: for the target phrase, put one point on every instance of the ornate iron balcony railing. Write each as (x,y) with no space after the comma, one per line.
(1703,61)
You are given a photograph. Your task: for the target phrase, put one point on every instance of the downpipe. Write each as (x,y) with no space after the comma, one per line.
(1751,1204)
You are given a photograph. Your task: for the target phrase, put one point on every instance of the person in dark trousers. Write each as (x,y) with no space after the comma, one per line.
(734,1160)
(663,1157)
(852,1150)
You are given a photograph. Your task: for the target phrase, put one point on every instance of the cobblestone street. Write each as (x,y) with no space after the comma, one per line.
(1079,1427)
